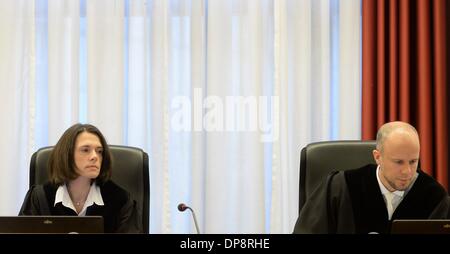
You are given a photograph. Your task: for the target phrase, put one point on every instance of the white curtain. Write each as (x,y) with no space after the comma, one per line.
(221,94)
(309,40)
(17,78)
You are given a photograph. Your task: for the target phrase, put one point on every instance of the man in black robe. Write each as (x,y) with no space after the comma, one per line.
(368,199)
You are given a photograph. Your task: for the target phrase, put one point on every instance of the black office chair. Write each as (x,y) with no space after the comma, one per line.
(317,160)
(130,171)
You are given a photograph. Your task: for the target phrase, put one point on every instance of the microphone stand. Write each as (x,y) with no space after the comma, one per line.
(195,219)
(182,207)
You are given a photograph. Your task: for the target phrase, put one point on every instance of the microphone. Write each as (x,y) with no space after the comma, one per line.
(182,207)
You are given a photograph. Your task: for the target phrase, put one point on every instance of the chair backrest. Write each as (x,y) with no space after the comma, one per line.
(130,171)
(317,160)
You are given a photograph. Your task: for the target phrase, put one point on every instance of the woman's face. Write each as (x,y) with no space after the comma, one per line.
(88,155)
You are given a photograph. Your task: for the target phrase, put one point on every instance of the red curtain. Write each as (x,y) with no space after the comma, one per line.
(404,74)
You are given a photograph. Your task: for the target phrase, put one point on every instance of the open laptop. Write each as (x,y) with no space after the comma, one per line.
(51,224)
(420,227)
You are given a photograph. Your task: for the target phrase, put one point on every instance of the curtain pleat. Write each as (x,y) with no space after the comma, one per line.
(440,90)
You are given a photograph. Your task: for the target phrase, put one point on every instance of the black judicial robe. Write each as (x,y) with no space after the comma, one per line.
(351,201)
(120,214)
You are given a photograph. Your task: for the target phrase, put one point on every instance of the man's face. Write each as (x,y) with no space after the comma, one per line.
(398,160)
(88,155)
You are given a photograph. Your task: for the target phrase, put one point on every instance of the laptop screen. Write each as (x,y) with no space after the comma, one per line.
(420,227)
(51,224)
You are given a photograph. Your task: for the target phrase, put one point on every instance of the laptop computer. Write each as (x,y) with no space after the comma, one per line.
(420,227)
(51,224)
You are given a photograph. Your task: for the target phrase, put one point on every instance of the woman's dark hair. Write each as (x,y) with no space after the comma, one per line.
(61,163)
